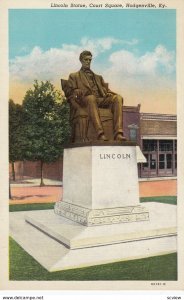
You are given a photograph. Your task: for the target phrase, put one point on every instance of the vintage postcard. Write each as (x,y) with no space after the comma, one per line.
(92,149)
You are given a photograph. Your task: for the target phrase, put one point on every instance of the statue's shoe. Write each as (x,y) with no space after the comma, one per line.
(102,137)
(120,137)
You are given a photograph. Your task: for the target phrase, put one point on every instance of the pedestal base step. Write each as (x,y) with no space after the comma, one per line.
(94,217)
(58,243)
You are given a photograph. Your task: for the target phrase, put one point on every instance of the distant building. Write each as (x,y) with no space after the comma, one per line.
(156,134)
(158,144)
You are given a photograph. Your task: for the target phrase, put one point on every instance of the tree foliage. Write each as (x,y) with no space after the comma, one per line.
(46,126)
(16,123)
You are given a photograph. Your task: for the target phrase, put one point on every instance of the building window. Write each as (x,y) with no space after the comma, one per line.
(149,145)
(161,161)
(165,145)
(169,161)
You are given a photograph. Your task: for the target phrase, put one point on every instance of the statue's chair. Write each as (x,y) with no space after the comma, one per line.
(81,125)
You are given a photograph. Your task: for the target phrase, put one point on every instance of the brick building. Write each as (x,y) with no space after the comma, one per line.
(158,144)
(31,169)
(156,134)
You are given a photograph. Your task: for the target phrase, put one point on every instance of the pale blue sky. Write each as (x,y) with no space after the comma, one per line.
(52,28)
(134,50)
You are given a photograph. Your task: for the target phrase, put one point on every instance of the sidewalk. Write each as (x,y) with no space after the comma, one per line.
(30,192)
(30,182)
(158,188)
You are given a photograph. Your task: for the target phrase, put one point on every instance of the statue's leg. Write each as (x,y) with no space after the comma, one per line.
(83,127)
(117,110)
(90,102)
(115,103)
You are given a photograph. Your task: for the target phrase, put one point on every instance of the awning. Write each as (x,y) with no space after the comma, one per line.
(140,156)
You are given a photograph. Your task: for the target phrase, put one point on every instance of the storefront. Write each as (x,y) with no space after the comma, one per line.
(159,145)
(161,158)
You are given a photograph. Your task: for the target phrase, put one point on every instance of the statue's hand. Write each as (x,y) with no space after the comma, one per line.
(109,94)
(77,93)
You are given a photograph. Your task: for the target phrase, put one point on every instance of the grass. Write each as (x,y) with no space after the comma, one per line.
(162,199)
(40,206)
(25,267)
(32,206)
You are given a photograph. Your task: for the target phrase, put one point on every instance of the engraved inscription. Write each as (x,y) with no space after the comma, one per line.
(115,156)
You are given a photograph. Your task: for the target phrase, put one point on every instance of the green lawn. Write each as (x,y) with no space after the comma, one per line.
(40,206)
(33,206)
(161,199)
(25,267)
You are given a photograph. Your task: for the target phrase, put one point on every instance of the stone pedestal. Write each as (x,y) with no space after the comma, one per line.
(100,188)
(101,185)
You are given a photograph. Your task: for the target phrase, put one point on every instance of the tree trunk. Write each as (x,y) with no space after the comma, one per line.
(41,173)
(13,171)
(10,197)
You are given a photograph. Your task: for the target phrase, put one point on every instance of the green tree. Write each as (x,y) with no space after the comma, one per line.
(15,134)
(46,127)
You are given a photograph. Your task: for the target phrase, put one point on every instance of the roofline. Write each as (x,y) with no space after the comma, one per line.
(155,116)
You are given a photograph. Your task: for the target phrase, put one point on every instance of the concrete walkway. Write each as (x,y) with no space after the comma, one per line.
(35,182)
(29,192)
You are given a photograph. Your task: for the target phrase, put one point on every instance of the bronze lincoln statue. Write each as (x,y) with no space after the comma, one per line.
(89,91)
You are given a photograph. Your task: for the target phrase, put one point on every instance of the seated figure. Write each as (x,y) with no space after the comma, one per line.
(87,92)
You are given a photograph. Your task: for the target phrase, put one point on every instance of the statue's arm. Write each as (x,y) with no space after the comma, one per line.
(72,82)
(75,91)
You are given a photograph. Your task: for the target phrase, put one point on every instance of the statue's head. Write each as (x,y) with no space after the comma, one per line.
(85,59)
